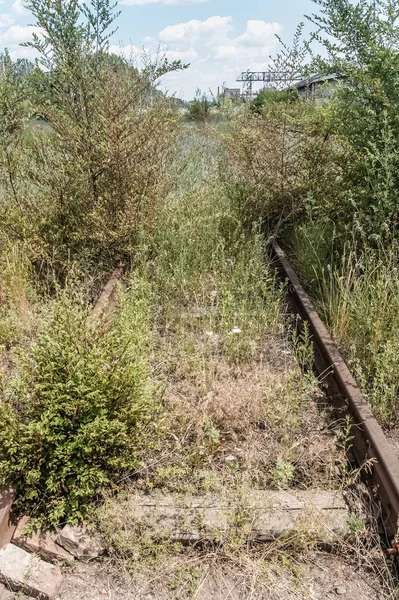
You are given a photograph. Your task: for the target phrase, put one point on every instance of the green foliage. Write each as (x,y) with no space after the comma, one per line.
(199,109)
(283,473)
(96,173)
(13,117)
(357,294)
(267,97)
(365,113)
(81,410)
(276,160)
(207,261)
(303,347)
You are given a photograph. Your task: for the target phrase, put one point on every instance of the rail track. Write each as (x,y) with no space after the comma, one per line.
(370,443)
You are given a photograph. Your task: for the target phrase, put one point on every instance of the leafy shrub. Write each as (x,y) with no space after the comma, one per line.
(81,410)
(365,112)
(96,173)
(199,109)
(267,97)
(275,164)
(13,118)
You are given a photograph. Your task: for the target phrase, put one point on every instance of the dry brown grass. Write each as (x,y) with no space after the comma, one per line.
(265,415)
(267,572)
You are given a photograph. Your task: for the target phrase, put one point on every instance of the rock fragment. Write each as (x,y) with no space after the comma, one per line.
(40,543)
(29,574)
(340,590)
(79,542)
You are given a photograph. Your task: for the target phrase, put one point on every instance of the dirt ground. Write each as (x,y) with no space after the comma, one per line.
(321,577)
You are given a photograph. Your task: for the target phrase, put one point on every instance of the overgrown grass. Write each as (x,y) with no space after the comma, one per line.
(241,414)
(203,319)
(207,269)
(357,293)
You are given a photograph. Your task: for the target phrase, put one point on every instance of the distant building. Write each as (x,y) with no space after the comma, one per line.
(317,86)
(233,93)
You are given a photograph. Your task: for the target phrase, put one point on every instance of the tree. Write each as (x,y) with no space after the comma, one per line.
(13,116)
(99,168)
(361,42)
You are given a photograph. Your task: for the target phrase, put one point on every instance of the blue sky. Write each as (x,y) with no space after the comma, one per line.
(219,38)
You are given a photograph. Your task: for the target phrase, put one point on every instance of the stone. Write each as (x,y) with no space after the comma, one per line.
(7,527)
(29,574)
(340,590)
(230,458)
(40,543)
(80,542)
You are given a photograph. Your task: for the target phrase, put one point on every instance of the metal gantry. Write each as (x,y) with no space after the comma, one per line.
(268,78)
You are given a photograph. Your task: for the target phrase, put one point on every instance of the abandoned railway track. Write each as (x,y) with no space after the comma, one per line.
(370,446)
(370,443)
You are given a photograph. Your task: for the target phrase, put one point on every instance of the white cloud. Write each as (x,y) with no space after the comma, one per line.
(6,19)
(139,56)
(192,31)
(257,42)
(18,34)
(14,36)
(217,51)
(130,52)
(258,33)
(19,8)
(170,2)
(186,56)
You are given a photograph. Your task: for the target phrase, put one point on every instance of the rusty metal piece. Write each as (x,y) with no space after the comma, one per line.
(107,296)
(371,440)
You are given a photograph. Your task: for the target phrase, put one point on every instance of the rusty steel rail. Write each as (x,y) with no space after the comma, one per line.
(370,441)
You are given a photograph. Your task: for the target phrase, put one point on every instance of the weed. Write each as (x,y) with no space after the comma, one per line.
(283,473)
(357,295)
(303,347)
(81,410)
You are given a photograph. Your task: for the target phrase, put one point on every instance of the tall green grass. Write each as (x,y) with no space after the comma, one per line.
(207,267)
(357,294)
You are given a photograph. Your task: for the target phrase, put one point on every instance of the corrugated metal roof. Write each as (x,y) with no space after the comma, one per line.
(316,79)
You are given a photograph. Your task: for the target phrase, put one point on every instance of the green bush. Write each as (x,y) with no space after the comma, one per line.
(268,97)
(199,109)
(279,163)
(81,183)
(81,409)
(360,41)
